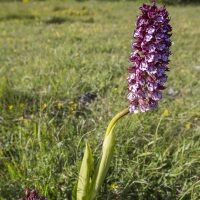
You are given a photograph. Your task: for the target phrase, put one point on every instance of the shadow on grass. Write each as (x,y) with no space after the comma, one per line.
(61,20)
(17,16)
(26,105)
(57,20)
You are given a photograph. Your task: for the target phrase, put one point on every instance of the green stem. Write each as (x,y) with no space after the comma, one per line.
(115,119)
(106,157)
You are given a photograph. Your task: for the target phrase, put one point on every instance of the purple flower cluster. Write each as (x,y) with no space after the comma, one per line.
(150,58)
(32,195)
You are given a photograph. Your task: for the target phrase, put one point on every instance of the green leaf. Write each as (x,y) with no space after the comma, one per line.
(85,174)
(103,165)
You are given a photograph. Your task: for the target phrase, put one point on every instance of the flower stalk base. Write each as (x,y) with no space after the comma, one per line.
(87,188)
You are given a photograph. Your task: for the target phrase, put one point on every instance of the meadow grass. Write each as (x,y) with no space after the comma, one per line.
(51,53)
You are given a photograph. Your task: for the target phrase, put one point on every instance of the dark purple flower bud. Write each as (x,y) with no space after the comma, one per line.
(142,21)
(27,192)
(145,8)
(166,28)
(152,86)
(149,57)
(152,48)
(159,18)
(35,193)
(139,33)
(159,36)
(152,104)
(144,106)
(161,69)
(152,70)
(162,78)
(141,94)
(151,14)
(32,197)
(161,46)
(156,95)
(136,45)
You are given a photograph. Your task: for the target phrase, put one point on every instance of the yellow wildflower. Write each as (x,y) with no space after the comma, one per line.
(10,107)
(113,186)
(166,113)
(70,102)
(25,121)
(75,105)
(188,125)
(44,105)
(21,105)
(59,105)
(25,1)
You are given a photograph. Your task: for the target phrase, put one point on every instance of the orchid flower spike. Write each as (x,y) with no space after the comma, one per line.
(149,58)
